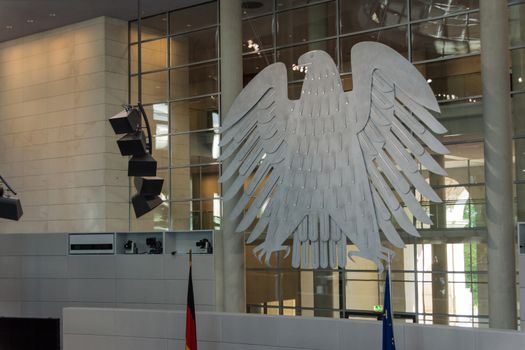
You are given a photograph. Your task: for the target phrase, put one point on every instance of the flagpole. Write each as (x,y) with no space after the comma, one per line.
(190,258)
(390,285)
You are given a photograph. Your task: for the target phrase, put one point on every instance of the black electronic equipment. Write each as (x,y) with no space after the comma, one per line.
(205,246)
(130,247)
(156,246)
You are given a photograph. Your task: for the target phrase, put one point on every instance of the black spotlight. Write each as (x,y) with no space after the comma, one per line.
(148,196)
(133,144)
(143,165)
(144,204)
(126,122)
(10,207)
(149,186)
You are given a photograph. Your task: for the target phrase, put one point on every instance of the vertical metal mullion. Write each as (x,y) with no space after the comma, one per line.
(170,165)
(342,297)
(129,101)
(471,283)
(139,53)
(274,30)
(219,97)
(338,34)
(416,287)
(409,29)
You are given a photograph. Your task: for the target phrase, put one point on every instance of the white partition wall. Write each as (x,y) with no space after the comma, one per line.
(119,329)
(38,278)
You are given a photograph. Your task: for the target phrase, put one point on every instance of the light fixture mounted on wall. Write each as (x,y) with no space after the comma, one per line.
(10,207)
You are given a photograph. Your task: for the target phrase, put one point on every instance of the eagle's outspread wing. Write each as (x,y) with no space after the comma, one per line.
(392,100)
(254,143)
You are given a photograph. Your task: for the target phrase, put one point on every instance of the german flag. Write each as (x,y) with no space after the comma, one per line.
(191,327)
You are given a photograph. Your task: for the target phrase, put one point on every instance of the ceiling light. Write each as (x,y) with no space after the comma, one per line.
(8,27)
(30,20)
(520,80)
(52,14)
(429,80)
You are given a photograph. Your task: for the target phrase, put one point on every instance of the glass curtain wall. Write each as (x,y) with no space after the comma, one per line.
(439,278)
(180,65)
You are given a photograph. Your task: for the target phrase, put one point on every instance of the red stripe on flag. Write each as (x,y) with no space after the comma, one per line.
(191,327)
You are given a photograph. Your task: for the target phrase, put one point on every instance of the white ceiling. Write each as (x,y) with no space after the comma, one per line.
(19,18)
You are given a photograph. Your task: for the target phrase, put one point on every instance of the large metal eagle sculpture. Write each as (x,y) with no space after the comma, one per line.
(333,167)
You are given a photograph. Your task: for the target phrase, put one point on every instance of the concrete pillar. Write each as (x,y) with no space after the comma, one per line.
(498,163)
(231,85)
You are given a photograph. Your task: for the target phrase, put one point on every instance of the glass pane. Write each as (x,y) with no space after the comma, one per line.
(165,193)
(294,90)
(262,287)
(257,34)
(196,215)
(517,57)
(519,146)
(453,79)
(256,8)
(206,214)
(517,25)
(305,24)
(195,114)
(154,56)
(195,148)
(396,38)
(357,15)
(463,120)
(348,84)
(289,56)
(193,47)
(155,220)
(195,182)
(158,118)
(446,37)
(520,193)
(181,183)
(427,9)
(194,80)
(518,112)
(253,64)
(152,27)
(154,87)
(193,18)
(362,294)
(320,290)
(181,215)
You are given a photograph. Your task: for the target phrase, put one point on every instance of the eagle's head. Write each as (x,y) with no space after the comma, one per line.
(312,61)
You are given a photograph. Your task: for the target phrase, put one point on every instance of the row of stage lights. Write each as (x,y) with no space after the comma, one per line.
(142,166)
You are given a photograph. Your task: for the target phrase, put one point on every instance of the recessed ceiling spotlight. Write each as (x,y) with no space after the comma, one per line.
(30,20)
(52,14)
(8,27)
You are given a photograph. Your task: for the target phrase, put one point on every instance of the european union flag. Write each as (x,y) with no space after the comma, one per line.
(388,329)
